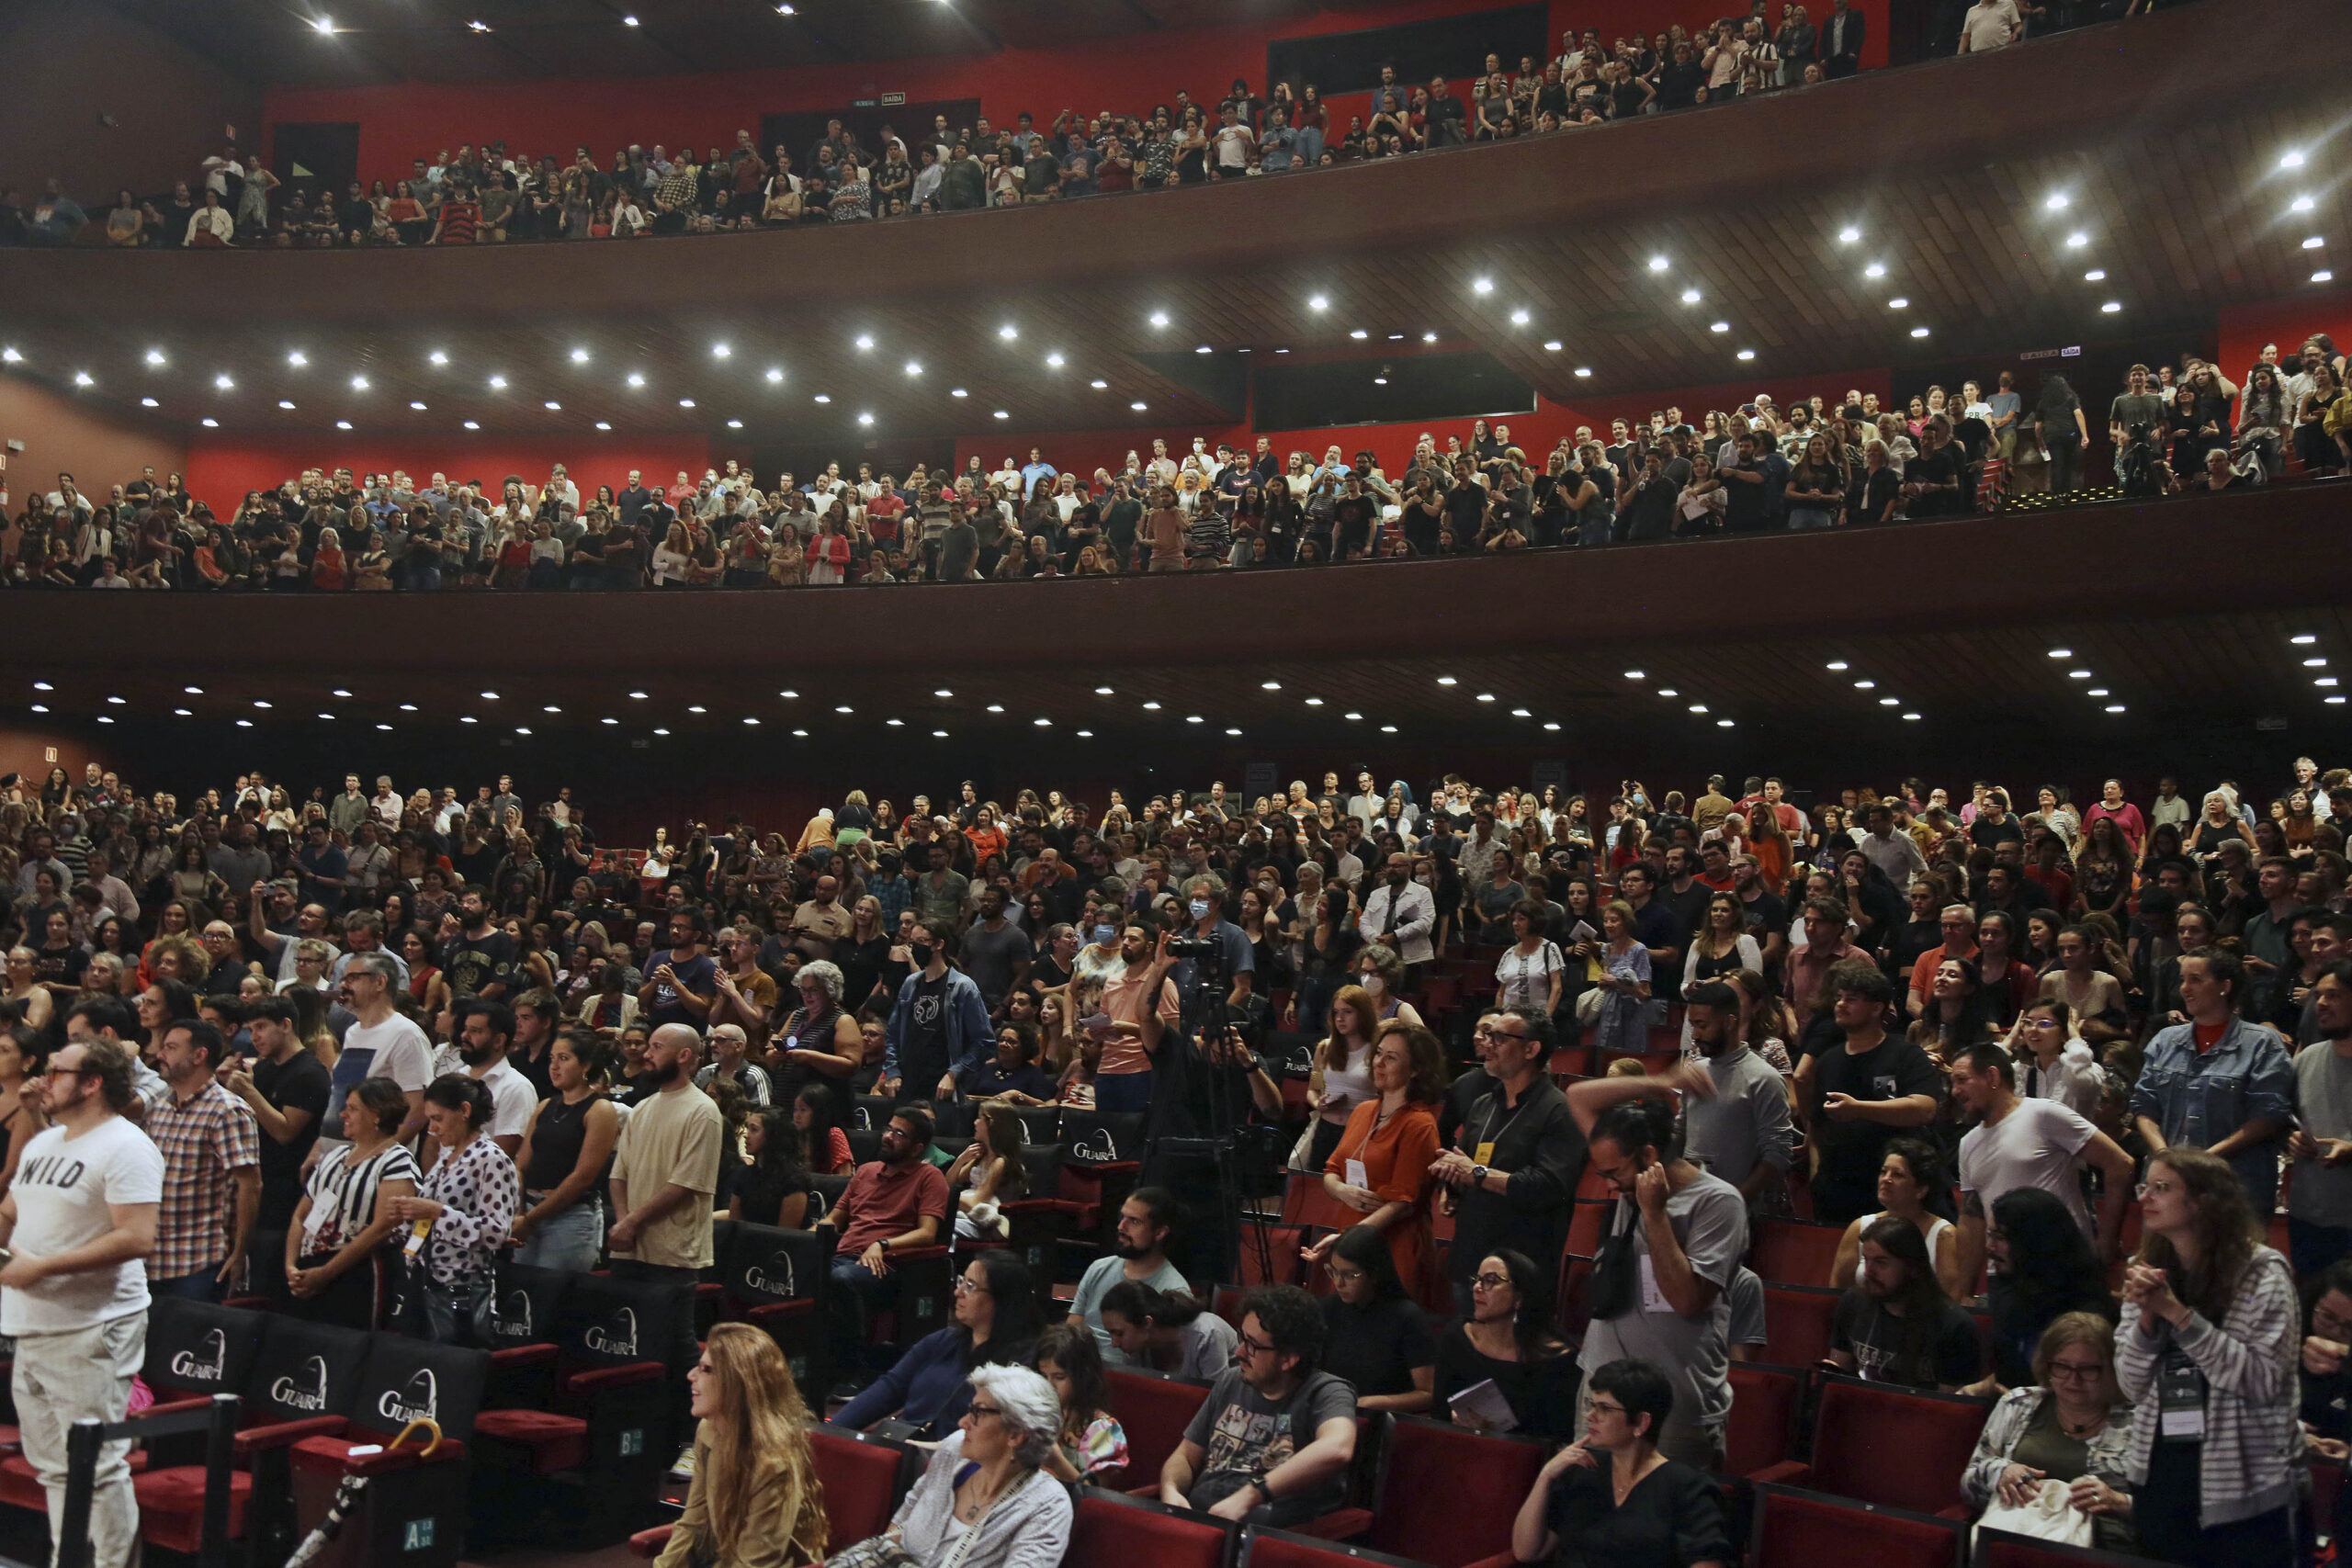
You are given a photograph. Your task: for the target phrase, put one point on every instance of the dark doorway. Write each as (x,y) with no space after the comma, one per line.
(800,132)
(316,156)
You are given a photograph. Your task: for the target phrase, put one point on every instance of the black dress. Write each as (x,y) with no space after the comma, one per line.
(1376,1348)
(1672,1518)
(1541,1393)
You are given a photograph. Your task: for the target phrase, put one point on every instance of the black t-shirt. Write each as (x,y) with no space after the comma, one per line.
(1852,1151)
(475,960)
(1673,1515)
(992,1079)
(1765,915)
(1986,834)
(299,1083)
(922,1049)
(1376,1348)
(1876,1339)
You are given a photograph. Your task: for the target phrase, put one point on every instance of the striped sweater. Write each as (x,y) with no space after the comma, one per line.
(2254,1448)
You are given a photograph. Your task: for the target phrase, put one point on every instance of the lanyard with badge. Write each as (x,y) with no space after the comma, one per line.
(2180,1393)
(1484,1154)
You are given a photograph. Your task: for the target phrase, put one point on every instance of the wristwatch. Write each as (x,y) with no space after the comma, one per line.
(1477,1176)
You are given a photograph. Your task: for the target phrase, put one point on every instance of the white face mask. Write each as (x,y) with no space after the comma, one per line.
(1373,984)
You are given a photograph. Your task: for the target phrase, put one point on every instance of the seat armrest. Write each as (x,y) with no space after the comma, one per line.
(1788,1473)
(595,1378)
(901,1256)
(285,1434)
(768,1311)
(175,1407)
(523,1355)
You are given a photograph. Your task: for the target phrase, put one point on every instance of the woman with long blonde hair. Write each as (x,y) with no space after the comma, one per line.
(755,1501)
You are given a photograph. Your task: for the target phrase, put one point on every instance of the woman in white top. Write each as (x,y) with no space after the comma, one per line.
(2053,1062)
(1343,1076)
(1905,1180)
(1531,971)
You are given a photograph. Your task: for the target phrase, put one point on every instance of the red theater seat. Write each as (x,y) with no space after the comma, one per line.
(1467,1518)
(1795,1252)
(862,1477)
(1805,1530)
(1797,1321)
(2000,1549)
(1116,1532)
(1764,1403)
(1889,1446)
(171,1507)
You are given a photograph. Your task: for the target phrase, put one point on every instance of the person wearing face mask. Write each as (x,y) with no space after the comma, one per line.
(1399,916)
(939,1031)
(1383,978)
(1205,907)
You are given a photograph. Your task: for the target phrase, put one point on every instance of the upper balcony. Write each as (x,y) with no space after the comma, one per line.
(1944,170)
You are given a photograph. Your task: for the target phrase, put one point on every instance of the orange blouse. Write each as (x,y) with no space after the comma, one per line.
(1397,1157)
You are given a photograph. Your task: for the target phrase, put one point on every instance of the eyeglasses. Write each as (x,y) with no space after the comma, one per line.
(1244,1346)
(1342,1276)
(2161,1188)
(1599,1407)
(967,1286)
(67,1072)
(1492,1282)
(2080,1372)
(976,1411)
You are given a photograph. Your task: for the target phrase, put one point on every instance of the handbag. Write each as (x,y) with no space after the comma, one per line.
(1616,1285)
(1588,1005)
(2044,1516)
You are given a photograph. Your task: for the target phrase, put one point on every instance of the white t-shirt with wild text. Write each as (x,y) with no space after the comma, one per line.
(64,1189)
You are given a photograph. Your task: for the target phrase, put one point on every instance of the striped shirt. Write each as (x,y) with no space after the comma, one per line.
(342,1193)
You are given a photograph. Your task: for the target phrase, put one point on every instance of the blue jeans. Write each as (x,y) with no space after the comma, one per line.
(1116,1093)
(201,1286)
(567,1240)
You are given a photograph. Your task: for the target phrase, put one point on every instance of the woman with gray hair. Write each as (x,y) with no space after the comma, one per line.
(983,1483)
(819,1042)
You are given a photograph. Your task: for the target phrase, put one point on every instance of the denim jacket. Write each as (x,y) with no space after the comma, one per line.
(2200,1099)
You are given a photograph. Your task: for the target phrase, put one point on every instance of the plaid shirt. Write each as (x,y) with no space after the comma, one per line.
(205,1139)
(896,895)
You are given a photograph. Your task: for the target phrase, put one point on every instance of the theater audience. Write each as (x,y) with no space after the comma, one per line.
(339,1253)
(984,1482)
(996,1319)
(2068,1424)
(1610,1499)
(754,1500)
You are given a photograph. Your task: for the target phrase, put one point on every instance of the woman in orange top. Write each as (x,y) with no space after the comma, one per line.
(987,838)
(1768,843)
(1393,1138)
(326,563)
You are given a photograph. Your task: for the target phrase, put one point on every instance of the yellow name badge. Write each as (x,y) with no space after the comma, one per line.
(1485,1155)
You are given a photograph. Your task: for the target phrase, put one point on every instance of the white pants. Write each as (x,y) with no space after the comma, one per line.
(59,1379)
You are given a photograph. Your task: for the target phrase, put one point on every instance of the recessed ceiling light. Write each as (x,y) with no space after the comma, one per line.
(696,707)
(1552,724)
(789,694)
(635,379)
(603,424)
(2302,640)
(1318,302)
(43,687)
(1719,326)
(408,707)
(1098,386)
(914,368)
(1890,702)
(1429,337)
(468,718)
(2290,159)
(1865,686)
(2325,681)
(2096,275)
(124,701)
(864,341)
(1584,371)
(10,356)
(2112,307)
(1745,354)
(2077,239)
(554,407)
(957,392)
(438,357)
(1137,407)
(1359,334)
(498,383)
(2316,243)
(82,378)
(844,707)
(1352,715)
(1148,707)
(999,708)
(2057,201)
(1847,236)
(1691,297)
(720,351)
(1486,696)
(1633,675)
(40,707)
(1053,361)
(184,713)
(2323,276)
(211,423)
(416,406)
(824,397)
(733,424)
(1900,302)
(609,720)
(1697,707)
(1520,713)
(1919,332)
(298,359)
(580,357)
(224,383)
(1002,413)
(1658,264)
(286,404)
(1205,348)
(2301,204)
(1876,269)
(343,424)
(471,425)
(2315,663)
(1552,346)
(1159,318)
(152,403)
(2335,699)
(2115,708)
(155,356)
(1315,702)
(685,402)
(866,419)
(1102,691)
(1484,286)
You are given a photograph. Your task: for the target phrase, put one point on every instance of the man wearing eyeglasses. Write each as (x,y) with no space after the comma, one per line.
(81,1219)
(1516,1158)
(1271,1443)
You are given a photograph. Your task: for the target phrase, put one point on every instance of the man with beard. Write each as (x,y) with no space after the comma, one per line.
(898,1201)
(480,962)
(1147,1221)
(486,1032)
(1898,1327)
(81,1216)
(680,984)
(2319,1199)
(666,1167)
(379,1044)
(1741,1132)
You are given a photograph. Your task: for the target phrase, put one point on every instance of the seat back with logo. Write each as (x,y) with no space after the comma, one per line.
(527,1307)
(1092,1139)
(195,1349)
(611,1323)
(768,1263)
(871,1113)
(408,1379)
(305,1370)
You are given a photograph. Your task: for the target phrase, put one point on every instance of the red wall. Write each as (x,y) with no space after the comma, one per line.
(65,435)
(2287,323)
(221,471)
(400,123)
(1081,452)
